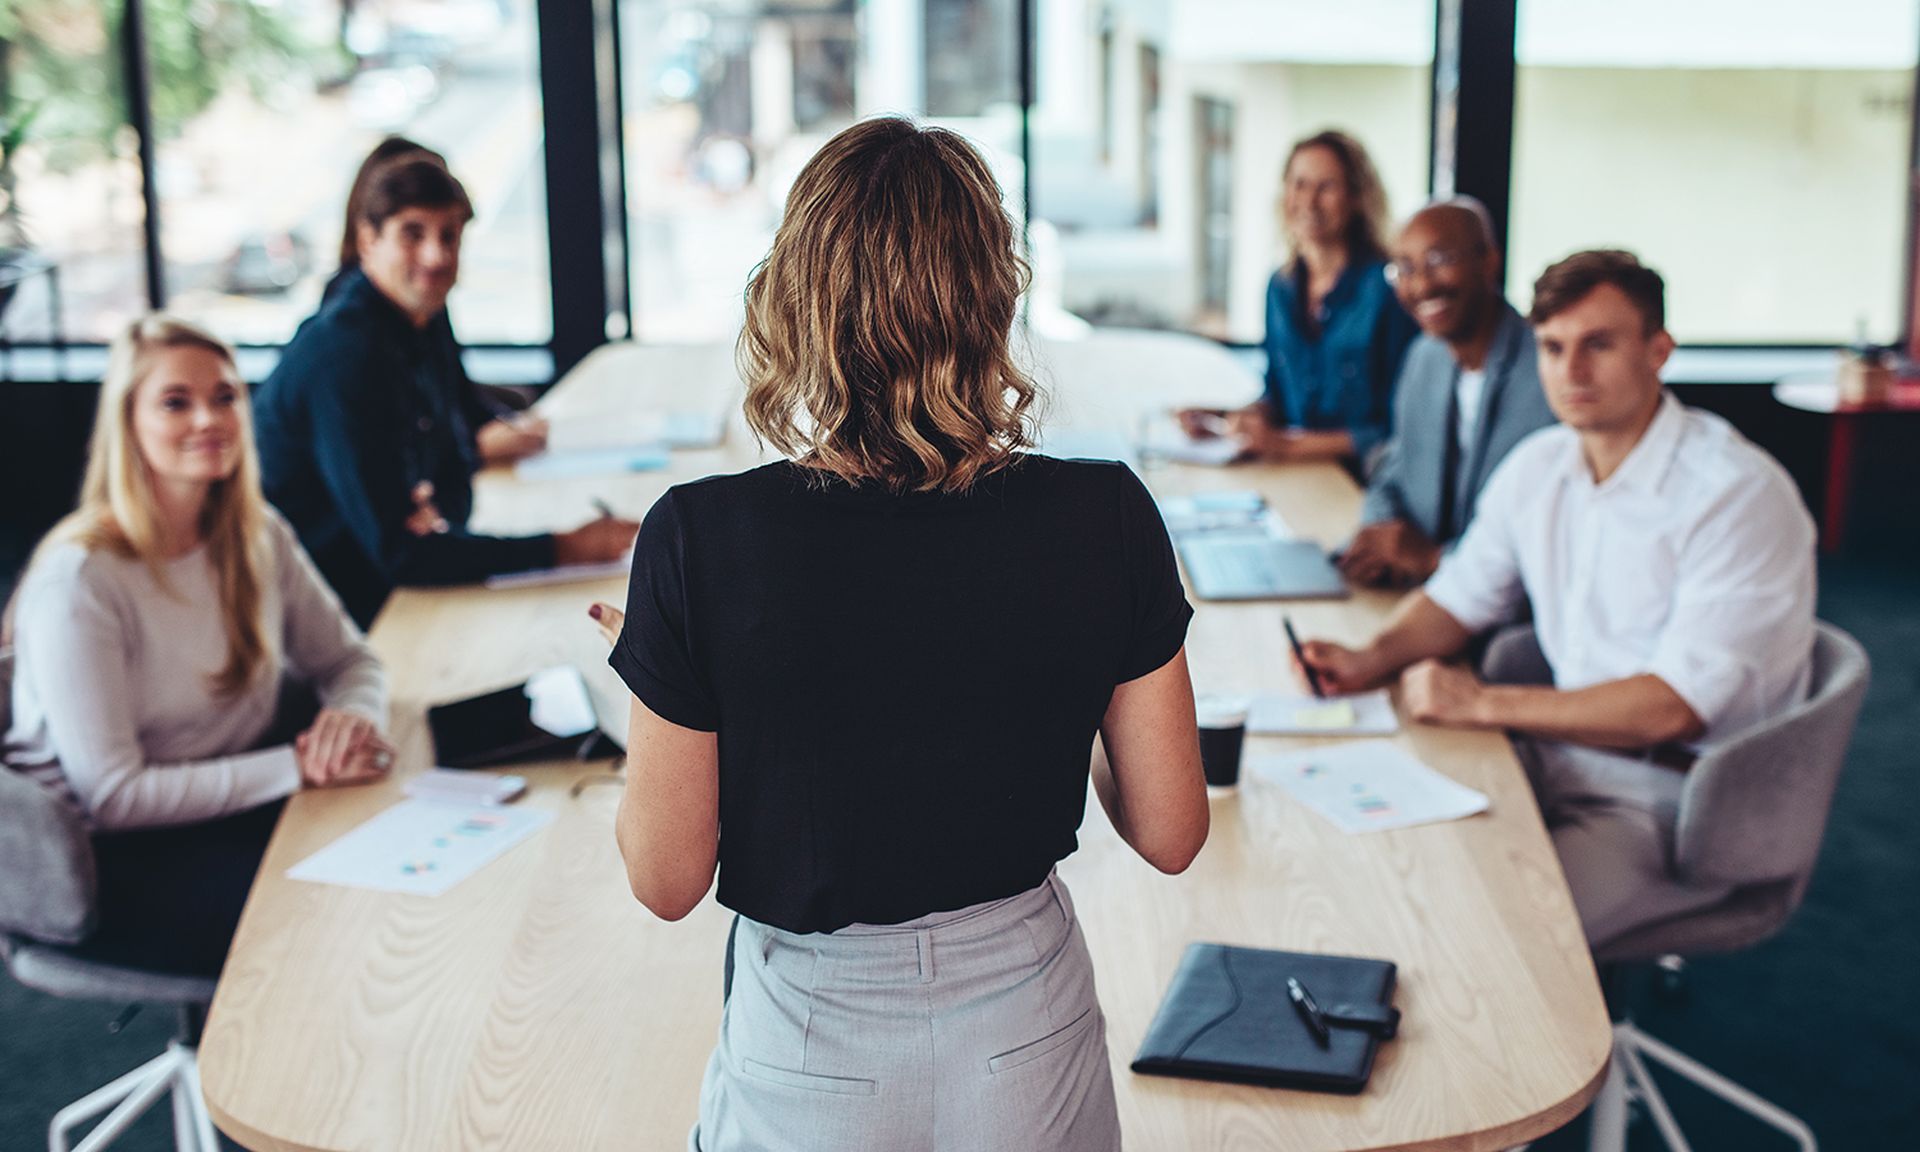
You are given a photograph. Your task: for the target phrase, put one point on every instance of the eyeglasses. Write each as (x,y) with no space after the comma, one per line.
(1431,261)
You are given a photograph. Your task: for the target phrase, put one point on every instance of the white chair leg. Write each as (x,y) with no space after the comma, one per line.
(175,1071)
(1760,1109)
(1607,1127)
(128,1097)
(185,1139)
(202,1120)
(1641,1087)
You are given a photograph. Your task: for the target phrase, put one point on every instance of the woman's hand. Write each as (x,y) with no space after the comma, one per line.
(341,748)
(610,620)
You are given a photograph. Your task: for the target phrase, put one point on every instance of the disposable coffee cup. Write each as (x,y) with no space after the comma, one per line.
(1223,730)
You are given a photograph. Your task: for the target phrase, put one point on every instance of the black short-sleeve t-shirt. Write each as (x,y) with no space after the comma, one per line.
(905,687)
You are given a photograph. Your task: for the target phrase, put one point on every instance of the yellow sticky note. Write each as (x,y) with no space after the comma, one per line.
(1331,715)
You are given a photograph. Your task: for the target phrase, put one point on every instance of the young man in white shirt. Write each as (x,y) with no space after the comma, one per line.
(1670,565)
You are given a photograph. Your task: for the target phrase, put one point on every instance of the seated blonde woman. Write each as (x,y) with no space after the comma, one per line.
(867,682)
(153,630)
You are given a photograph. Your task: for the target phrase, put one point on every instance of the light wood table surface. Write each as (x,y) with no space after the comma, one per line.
(538,1006)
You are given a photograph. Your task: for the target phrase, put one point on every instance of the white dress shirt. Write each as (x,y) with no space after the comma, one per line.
(1694,562)
(1467,391)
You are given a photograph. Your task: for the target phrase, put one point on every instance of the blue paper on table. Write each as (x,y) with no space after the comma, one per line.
(591,462)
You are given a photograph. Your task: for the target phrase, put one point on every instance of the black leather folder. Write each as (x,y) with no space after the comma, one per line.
(1227,1016)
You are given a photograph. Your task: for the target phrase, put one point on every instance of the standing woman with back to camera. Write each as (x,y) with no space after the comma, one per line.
(867,680)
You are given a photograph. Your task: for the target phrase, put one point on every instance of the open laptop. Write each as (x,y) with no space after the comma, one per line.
(1257,566)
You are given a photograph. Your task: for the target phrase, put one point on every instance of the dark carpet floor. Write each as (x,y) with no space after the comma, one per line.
(1824,1019)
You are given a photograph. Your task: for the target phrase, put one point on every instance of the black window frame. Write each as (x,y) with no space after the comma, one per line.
(1471,112)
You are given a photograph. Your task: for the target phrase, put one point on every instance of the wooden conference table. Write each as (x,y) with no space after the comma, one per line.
(538,1006)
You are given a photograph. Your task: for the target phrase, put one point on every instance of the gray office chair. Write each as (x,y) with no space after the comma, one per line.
(1752,814)
(46,912)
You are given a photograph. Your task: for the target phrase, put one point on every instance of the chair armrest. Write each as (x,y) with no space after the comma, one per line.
(1755,807)
(1513,656)
(46,856)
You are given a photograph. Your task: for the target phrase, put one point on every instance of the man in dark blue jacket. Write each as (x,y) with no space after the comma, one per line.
(366,427)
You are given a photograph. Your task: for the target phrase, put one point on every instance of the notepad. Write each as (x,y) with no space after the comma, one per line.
(552,465)
(1235,510)
(588,432)
(420,847)
(1366,714)
(1369,786)
(564,574)
(1163,438)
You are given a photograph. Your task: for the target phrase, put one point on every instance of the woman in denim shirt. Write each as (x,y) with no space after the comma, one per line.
(1335,333)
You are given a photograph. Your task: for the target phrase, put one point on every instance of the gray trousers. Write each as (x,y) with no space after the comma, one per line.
(1612,818)
(969,1030)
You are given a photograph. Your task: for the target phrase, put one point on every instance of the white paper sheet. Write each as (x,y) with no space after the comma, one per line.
(565,574)
(635,430)
(1369,786)
(1226,511)
(552,465)
(1365,714)
(1164,439)
(420,847)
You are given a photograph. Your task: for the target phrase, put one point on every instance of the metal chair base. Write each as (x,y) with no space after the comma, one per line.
(1627,1080)
(175,1071)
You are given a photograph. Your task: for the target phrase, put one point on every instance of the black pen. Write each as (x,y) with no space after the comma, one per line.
(1309,1011)
(1313,678)
(602,507)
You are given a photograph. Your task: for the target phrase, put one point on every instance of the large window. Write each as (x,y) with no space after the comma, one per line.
(1159,131)
(71,212)
(727,99)
(264,111)
(1754,151)
(261,112)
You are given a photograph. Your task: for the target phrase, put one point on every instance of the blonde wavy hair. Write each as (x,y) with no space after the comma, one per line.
(876,337)
(1367,231)
(119,513)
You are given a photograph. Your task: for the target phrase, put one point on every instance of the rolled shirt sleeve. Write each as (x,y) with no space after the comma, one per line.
(1743,606)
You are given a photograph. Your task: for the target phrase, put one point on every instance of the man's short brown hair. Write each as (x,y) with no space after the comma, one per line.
(411,180)
(1571,280)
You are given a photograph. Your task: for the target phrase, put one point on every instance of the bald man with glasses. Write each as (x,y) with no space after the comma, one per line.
(1468,392)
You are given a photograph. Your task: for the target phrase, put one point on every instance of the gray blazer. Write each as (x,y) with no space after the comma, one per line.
(1409,482)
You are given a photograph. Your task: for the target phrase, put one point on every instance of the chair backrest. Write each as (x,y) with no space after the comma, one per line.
(46,854)
(1754,809)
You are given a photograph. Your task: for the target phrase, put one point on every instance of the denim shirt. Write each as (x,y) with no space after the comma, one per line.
(1344,377)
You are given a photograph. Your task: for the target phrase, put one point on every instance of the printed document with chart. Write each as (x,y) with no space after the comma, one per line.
(1369,786)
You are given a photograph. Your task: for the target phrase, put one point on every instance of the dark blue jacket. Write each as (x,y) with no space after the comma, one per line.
(362,407)
(1344,376)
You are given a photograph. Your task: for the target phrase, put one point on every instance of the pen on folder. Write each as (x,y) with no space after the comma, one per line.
(1309,1011)
(1313,677)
